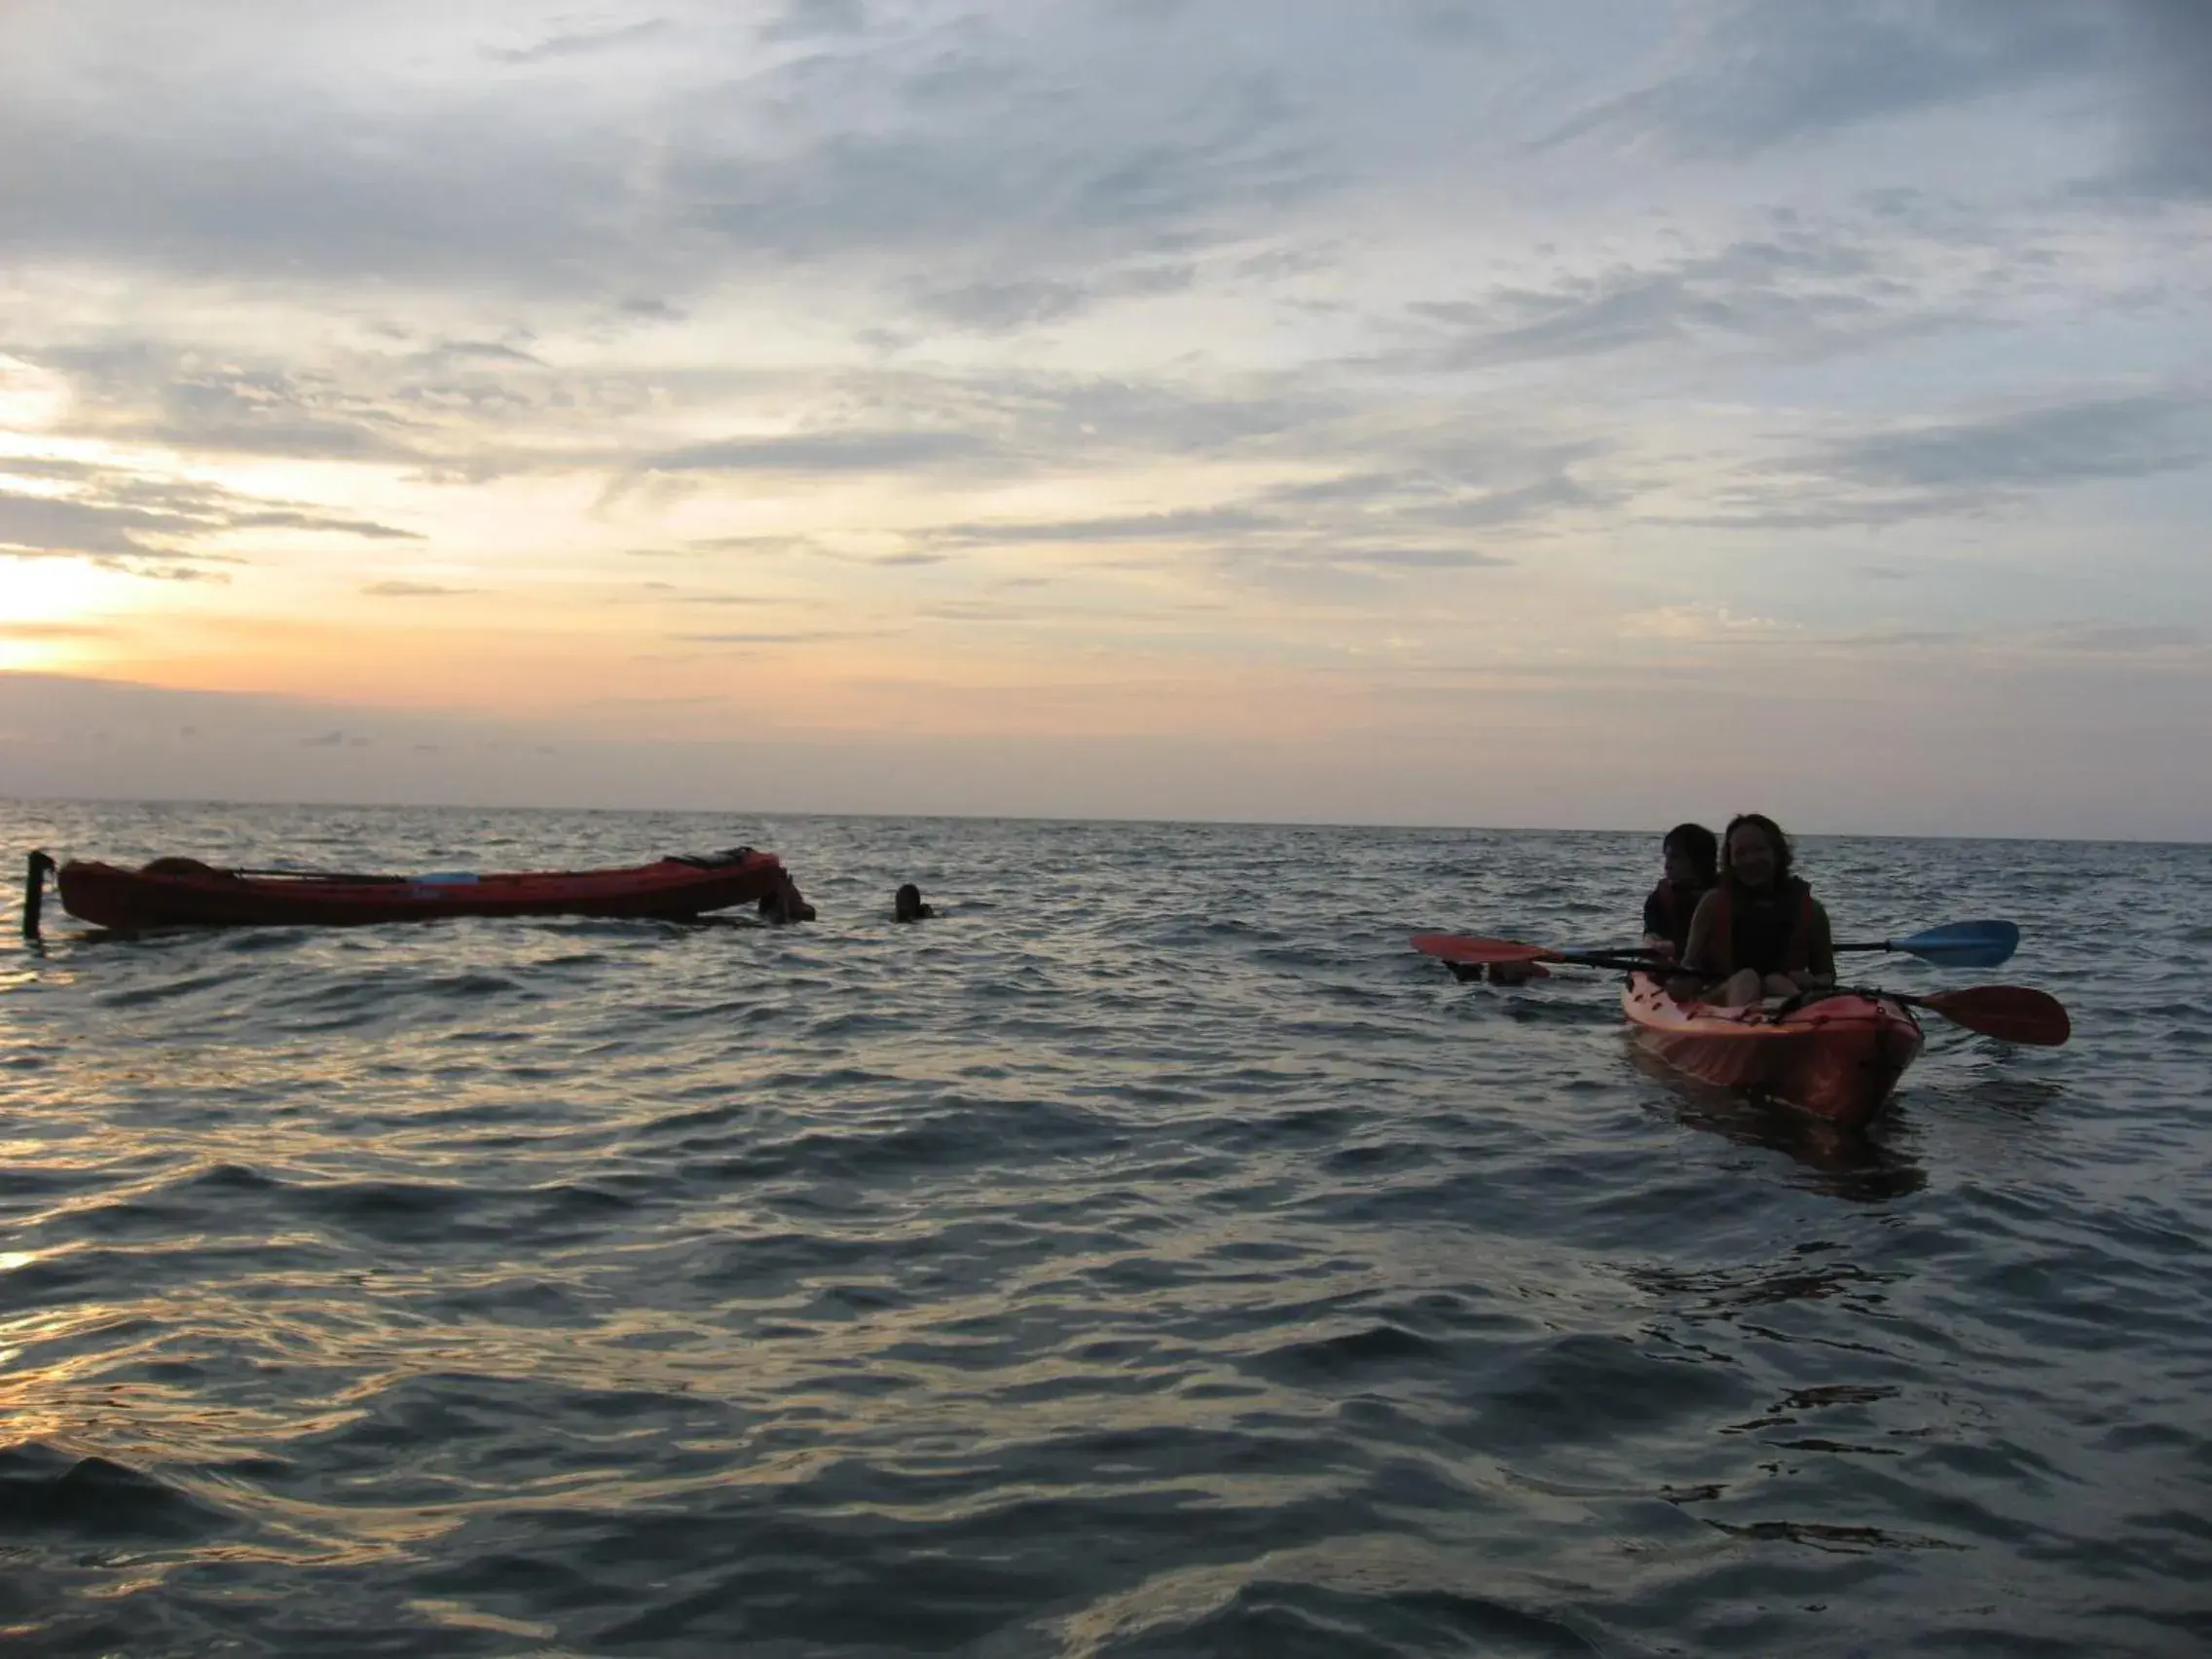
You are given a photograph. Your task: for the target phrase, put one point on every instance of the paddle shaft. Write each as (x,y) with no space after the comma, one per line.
(34,891)
(1955,944)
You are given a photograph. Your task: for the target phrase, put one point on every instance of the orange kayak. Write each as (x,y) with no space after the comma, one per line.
(184,892)
(1837,1057)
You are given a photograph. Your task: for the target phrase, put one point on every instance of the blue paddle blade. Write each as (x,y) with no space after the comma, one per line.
(1963,945)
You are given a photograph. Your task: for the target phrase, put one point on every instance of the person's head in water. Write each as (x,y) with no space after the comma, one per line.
(1692,855)
(907,907)
(784,902)
(1755,851)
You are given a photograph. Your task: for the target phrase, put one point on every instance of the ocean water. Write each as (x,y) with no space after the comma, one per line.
(1150,1256)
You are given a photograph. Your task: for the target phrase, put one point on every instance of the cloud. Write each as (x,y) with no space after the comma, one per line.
(336,157)
(1519,505)
(769,546)
(1907,470)
(2172,108)
(1701,624)
(2036,448)
(57,527)
(451,351)
(1005,307)
(1451,22)
(583,44)
(2123,636)
(167,573)
(1474,480)
(1795,288)
(812,20)
(1900,638)
(802,637)
(865,451)
(145,392)
(30,631)
(253,191)
(412,590)
(473,416)
(1760,73)
(1371,520)
(1418,558)
(1183,526)
(114,514)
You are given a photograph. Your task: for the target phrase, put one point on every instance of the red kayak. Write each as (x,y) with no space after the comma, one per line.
(1837,1057)
(184,892)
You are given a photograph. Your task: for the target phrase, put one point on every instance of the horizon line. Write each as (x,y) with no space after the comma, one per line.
(1040,818)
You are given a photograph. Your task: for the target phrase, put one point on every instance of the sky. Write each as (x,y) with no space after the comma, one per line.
(1362,411)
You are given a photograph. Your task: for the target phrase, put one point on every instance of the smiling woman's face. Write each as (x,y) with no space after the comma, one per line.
(1751,855)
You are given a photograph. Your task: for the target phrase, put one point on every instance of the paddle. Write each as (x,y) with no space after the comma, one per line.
(1955,944)
(1471,948)
(2011,1013)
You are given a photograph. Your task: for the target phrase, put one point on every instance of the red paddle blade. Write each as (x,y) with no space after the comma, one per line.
(1466,947)
(2011,1013)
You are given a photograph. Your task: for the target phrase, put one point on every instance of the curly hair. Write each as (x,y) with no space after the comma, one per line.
(1784,856)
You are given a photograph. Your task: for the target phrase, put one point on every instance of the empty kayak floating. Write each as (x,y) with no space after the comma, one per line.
(185,893)
(1837,1055)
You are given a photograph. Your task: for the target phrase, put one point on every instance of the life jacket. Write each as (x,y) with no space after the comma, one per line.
(1672,905)
(1774,936)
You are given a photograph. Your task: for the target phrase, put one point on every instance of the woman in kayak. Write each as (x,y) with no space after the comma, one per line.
(1692,865)
(1759,932)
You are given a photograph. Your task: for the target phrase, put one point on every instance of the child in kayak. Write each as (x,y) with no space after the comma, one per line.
(1758,934)
(1692,869)
(1691,856)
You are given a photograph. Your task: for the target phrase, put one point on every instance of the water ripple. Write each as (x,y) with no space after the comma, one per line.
(1150,1256)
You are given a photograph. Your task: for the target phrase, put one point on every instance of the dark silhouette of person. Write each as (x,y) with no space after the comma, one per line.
(785,904)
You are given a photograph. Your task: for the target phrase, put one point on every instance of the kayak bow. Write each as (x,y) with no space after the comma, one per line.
(1836,1055)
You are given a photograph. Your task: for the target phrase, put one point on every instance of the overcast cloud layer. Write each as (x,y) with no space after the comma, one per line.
(1408,410)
